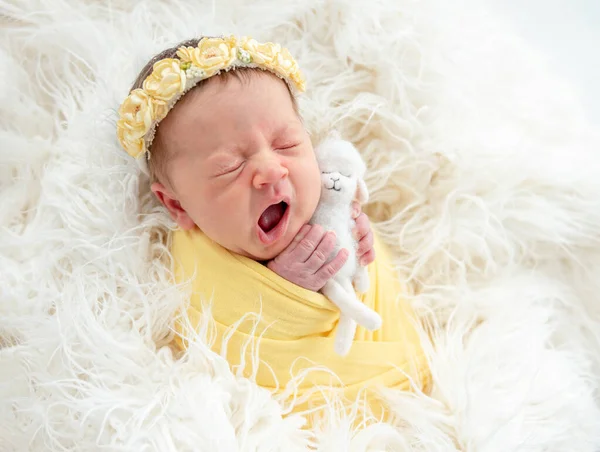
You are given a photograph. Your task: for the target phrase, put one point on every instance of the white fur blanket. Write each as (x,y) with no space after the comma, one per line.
(483,173)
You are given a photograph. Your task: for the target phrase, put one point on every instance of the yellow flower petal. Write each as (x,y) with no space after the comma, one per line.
(263,54)
(286,63)
(133,144)
(136,116)
(213,54)
(167,79)
(298,80)
(185,54)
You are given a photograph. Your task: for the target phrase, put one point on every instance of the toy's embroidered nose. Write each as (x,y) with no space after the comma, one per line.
(333,184)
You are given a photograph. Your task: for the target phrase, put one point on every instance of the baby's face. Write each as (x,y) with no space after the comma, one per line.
(242,167)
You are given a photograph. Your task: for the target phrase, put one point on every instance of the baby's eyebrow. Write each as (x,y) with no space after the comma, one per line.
(287,127)
(228,150)
(220,156)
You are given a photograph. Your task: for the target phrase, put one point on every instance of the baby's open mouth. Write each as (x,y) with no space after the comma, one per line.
(273,223)
(272,216)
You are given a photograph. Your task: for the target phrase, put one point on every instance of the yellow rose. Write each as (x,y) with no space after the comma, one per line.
(286,63)
(261,53)
(213,54)
(166,80)
(136,115)
(185,54)
(298,80)
(231,41)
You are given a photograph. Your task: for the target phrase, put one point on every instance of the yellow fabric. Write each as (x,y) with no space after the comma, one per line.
(298,323)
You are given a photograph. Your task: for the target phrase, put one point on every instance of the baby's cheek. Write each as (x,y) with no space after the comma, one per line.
(214,211)
(311,196)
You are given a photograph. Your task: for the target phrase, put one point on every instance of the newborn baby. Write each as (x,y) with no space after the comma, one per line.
(235,168)
(233,159)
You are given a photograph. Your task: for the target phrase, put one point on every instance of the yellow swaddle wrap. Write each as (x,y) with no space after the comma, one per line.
(297,326)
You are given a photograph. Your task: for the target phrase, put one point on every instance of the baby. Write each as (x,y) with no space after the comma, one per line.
(233,158)
(235,168)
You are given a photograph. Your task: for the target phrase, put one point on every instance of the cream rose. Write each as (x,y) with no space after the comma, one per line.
(136,116)
(185,54)
(261,53)
(298,80)
(166,80)
(213,54)
(286,63)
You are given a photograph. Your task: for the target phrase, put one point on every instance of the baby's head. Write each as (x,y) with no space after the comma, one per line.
(232,156)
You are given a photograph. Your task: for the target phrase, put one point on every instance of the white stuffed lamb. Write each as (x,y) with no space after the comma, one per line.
(342,173)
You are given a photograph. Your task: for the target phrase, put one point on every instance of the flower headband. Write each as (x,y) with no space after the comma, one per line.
(171,78)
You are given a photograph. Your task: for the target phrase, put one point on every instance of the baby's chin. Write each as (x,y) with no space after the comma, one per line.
(262,253)
(267,254)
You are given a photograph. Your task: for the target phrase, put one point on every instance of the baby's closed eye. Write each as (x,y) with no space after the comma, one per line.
(285,145)
(286,141)
(288,146)
(226,168)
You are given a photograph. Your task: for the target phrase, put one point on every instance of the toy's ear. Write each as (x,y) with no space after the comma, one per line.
(362,192)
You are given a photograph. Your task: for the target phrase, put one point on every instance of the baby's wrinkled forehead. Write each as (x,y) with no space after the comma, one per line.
(191,121)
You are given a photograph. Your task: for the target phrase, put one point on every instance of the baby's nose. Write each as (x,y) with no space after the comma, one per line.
(268,172)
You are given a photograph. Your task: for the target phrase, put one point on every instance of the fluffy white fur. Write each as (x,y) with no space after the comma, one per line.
(342,181)
(483,175)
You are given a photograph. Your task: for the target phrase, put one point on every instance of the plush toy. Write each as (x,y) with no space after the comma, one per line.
(342,173)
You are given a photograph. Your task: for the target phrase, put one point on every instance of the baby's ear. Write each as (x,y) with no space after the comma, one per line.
(362,192)
(176,211)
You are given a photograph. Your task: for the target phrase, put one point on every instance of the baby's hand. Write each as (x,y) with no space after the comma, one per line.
(304,261)
(362,232)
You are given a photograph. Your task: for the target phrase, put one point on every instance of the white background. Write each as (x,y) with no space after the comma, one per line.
(568,33)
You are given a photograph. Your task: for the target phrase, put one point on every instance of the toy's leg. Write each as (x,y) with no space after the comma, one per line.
(345,299)
(362,314)
(344,335)
(361,280)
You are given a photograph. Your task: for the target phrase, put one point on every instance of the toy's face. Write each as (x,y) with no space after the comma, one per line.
(341,168)
(338,185)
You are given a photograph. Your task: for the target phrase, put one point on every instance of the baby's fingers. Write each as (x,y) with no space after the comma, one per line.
(362,228)
(321,252)
(305,247)
(304,230)
(329,270)
(365,245)
(356,210)
(367,258)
